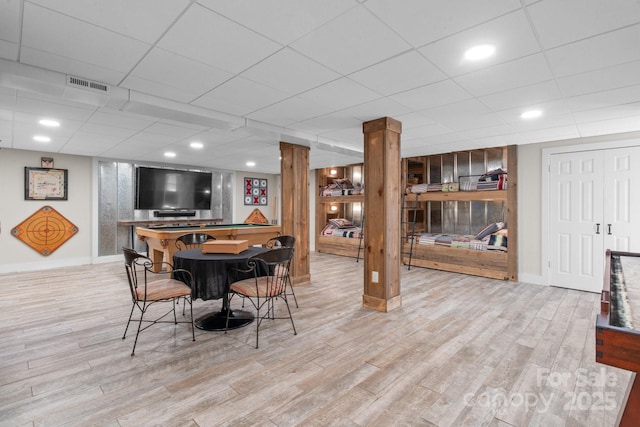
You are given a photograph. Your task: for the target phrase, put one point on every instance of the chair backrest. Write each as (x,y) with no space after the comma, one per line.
(131,260)
(192,240)
(281,241)
(274,263)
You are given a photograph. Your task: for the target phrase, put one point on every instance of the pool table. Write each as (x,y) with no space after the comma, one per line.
(161,241)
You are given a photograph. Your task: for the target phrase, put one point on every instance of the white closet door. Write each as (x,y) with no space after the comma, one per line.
(576,226)
(622,211)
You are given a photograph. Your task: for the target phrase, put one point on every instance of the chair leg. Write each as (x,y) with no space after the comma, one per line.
(143,309)
(290,285)
(193,331)
(290,316)
(128,321)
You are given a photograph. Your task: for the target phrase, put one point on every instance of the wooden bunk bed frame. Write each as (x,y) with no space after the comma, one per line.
(490,264)
(345,246)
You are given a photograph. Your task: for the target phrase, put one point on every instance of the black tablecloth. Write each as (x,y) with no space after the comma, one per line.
(212,273)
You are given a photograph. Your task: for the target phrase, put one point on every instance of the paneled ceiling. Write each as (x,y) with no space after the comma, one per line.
(241,76)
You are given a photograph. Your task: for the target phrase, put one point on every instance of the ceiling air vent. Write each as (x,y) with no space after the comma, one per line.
(87,84)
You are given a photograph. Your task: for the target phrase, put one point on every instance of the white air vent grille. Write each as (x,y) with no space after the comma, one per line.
(87,84)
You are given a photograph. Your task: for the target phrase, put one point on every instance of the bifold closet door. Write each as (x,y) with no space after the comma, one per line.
(576,220)
(622,199)
(591,209)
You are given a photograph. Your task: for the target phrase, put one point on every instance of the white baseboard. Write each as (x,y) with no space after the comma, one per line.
(534,279)
(44,265)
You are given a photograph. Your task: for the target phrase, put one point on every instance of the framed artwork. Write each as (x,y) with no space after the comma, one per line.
(255,191)
(46,162)
(45,184)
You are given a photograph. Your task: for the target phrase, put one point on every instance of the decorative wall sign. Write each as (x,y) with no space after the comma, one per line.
(46,162)
(255,192)
(45,231)
(45,184)
(256,217)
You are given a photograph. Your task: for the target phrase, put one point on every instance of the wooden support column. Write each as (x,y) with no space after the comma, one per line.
(382,212)
(294,170)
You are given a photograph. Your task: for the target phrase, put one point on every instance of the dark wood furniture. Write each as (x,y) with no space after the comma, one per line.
(617,342)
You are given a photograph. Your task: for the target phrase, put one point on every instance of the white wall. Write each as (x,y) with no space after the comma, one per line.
(16,255)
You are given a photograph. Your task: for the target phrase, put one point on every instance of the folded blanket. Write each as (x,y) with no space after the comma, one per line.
(496,242)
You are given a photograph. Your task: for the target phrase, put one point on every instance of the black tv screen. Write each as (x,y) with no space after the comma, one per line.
(172,189)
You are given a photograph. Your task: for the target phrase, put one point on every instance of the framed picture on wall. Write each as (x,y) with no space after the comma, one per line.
(45,184)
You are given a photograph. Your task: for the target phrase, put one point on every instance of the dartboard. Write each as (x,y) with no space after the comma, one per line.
(45,231)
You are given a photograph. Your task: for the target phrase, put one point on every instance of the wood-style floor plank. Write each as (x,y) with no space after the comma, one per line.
(460,351)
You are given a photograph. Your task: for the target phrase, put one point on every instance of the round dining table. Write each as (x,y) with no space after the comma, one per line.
(212,275)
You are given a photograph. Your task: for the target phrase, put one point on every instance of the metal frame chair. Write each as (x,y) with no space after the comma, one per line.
(192,240)
(269,282)
(287,242)
(149,287)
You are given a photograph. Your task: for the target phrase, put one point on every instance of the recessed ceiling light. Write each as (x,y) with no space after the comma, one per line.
(41,138)
(50,123)
(531,114)
(196,144)
(251,164)
(169,154)
(480,52)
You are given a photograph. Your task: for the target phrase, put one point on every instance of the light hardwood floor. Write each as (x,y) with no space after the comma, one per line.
(461,351)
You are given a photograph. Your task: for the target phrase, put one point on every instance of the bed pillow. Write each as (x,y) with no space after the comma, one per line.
(490,229)
(341,223)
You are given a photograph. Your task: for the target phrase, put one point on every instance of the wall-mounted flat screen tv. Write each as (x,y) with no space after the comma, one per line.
(172,189)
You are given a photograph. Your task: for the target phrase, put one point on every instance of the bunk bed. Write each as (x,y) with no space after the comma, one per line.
(492,251)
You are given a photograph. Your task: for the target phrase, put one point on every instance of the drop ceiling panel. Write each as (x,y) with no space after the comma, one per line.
(9,50)
(290,72)
(351,42)
(291,110)
(421,22)
(123,16)
(10,21)
(409,70)
(381,107)
(596,52)
(562,22)
(328,122)
(608,113)
(605,127)
(520,72)
(207,37)
(70,66)
(240,96)
(433,95)
(523,96)
(281,20)
(511,35)
(57,34)
(598,80)
(186,79)
(340,94)
(622,96)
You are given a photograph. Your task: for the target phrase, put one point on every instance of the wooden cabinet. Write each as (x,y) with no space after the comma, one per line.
(461,212)
(345,205)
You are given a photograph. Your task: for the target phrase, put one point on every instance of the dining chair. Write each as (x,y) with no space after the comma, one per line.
(192,240)
(270,272)
(287,242)
(149,287)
